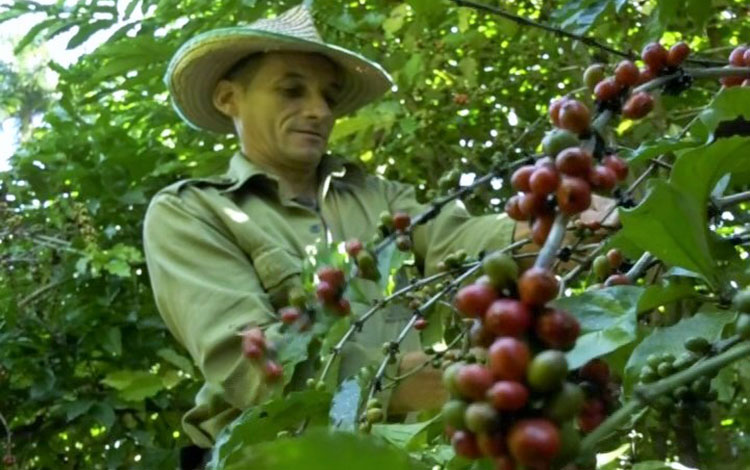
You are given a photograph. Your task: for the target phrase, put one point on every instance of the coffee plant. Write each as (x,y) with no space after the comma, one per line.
(607,338)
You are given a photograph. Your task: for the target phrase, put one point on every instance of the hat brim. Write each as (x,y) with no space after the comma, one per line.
(200,63)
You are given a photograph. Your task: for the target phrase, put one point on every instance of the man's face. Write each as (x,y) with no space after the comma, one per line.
(285,111)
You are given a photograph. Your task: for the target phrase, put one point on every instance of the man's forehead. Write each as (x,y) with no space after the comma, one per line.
(279,65)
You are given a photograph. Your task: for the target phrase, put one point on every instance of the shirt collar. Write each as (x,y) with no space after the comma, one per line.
(242,170)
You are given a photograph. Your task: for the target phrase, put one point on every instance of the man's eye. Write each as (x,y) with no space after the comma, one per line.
(292,91)
(331,100)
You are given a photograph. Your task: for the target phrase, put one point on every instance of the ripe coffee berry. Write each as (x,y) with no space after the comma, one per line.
(677,54)
(326,292)
(333,276)
(574,161)
(617,280)
(420,324)
(737,56)
(573,195)
(520,178)
(465,444)
(342,307)
(513,209)
(607,89)
(492,444)
(353,247)
(507,395)
(537,286)
(401,221)
(592,415)
(731,81)
(544,181)
(473,381)
(289,315)
(575,116)
(646,75)
(474,299)
(655,56)
(554,110)
(253,343)
(508,358)
(638,105)
(272,370)
(615,258)
(626,73)
(534,442)
(461,98)
(541,227)
(618,165)
(507,317)
(597,371)
(602,178)
(531,204)
(558,329)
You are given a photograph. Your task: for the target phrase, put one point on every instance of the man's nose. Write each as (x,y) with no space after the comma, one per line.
(317,107)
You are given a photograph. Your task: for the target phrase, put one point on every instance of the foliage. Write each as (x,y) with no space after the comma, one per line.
(89,375)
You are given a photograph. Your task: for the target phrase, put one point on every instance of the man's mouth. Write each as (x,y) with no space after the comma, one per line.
(309,132)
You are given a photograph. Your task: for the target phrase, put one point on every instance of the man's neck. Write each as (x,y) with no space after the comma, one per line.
(294,182)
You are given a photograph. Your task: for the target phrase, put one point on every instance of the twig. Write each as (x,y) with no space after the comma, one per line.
(552,245)
(37,293)
(640,266)
(643,395)
(727,201)
(8,433)
(438,355)
(561,32)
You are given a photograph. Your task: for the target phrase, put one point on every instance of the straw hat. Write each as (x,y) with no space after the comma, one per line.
(201,62)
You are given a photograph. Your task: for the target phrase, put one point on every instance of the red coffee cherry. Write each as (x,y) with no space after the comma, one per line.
(474,299)
(607,89)
(602,178)
(615,258)
(479,335)
(507,395)
(574,161)
(534,442)
(513,209)
(520,178)
(597,371)
(537,286)
(420,324)
(342,307)
(334,277)
(737,56)
(507,317)
(592,415)
(626,73)
(731,81)
(618,165)
(492,444)
(326,292)
(677,54)
(273,370)
(473,381)
(554,110)
(646,75)
(638,105)
(461,98)
(508,359)
(617,280)
(289,315)
(544,180)
(253,343)
(465,444)
(558,329)
(531,204)
(746,58)
(575,116)
(541,227)
(573,195)
(401,221)
(353,247)
(655,56)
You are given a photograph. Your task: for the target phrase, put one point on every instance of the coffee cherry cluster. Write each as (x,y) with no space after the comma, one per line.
(514,405)
(606,269)
(364,259)
(601,394)
(610,92)
(330,288)
(741,303)
(739,57)
(566,177)
(400,222)
(256,348)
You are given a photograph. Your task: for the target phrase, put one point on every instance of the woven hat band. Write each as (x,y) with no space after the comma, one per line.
(296,22)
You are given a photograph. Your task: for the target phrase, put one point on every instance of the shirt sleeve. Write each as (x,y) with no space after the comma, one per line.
(452,229)
(206,290)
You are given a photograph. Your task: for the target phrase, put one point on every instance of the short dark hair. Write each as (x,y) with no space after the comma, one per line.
(243,69)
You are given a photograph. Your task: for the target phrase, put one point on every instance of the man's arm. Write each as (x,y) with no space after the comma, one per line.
(206,290)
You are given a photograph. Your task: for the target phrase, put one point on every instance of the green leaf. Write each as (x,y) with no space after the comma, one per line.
(345,406)
(728,105)
(656,148)
(699,11)
(707,324)
(178,360)
(404,436)
(104,413)
(608,320)
(76,409)
(263,422)
(112,341)
(652,465)
(134,385)
(33,33)
(86,31)
(578,16)
(320,449)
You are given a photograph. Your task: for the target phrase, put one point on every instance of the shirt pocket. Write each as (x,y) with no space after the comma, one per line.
(277,269)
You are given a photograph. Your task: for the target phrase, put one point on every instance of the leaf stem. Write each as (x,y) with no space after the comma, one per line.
(548,254)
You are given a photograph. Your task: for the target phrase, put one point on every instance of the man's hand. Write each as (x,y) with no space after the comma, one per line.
(422,391)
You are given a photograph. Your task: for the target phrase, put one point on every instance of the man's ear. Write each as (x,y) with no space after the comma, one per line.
(225,97)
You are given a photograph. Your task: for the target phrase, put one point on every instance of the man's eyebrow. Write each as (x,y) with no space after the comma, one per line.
(336,85)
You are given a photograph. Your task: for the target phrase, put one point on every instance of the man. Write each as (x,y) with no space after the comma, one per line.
(222,252)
